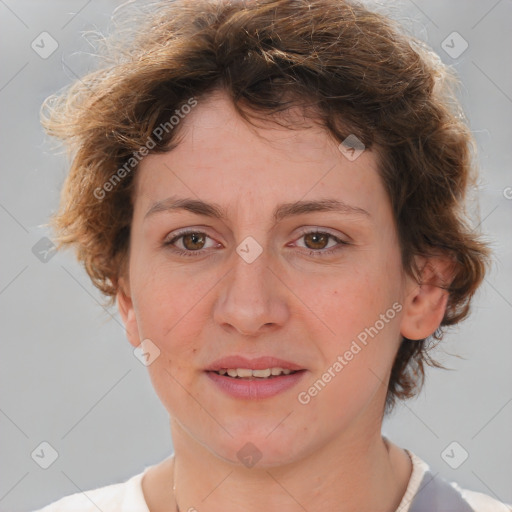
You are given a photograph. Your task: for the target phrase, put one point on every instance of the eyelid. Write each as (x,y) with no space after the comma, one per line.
(306,230)
(184,231)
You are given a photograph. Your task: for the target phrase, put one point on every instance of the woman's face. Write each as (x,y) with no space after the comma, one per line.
(254,286)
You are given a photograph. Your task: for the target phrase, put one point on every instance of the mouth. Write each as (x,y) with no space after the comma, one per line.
(249,374)
(259,378)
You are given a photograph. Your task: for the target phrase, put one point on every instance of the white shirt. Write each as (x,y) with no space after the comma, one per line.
(128,496)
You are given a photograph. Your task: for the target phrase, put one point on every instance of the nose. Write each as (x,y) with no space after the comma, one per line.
(251,299)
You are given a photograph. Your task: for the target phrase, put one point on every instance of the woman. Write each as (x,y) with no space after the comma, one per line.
(273,193)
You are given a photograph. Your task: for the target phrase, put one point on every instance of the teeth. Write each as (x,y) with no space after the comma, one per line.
(242,372)
(248,373)
(260,373)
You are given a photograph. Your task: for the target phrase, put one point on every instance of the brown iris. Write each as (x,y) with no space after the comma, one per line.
(317,238)
(195,239)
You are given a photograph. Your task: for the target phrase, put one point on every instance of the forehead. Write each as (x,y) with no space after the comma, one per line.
(213,132)
(223,159)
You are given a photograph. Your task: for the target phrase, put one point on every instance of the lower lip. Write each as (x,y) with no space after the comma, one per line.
(255,388)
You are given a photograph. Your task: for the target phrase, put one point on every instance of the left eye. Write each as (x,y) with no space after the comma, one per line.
(194,243)
(318,239)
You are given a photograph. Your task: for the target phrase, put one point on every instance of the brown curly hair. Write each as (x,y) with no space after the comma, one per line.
(352,70)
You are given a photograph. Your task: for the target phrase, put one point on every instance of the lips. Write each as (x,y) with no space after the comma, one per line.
(250,379)
(255,388)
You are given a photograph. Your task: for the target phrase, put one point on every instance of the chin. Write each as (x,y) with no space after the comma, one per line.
(259,449)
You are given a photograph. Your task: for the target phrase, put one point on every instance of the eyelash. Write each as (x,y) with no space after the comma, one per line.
(200,252)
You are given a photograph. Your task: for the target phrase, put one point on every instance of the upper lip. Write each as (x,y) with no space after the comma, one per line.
(259,363)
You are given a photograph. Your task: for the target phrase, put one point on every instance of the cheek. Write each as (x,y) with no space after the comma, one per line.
(361,310)
(350,302)
(358,352)
(170,306)
(169,313)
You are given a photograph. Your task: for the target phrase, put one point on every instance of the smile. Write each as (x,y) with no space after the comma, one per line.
(247,373)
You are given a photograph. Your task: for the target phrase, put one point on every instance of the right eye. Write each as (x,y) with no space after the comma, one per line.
(193,243)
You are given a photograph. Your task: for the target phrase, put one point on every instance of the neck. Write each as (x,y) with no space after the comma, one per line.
(353,474)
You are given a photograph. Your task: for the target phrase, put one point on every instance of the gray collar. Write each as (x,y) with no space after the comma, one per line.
(436,495)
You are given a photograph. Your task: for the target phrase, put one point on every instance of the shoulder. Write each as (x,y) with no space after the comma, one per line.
(431,492)
(120,497)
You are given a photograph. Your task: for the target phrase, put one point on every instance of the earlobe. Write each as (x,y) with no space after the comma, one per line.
(426,301)
(127,312)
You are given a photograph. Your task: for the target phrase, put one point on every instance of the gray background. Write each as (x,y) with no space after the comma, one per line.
(68,375)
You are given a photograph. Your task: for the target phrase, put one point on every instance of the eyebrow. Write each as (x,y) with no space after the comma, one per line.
(281,212)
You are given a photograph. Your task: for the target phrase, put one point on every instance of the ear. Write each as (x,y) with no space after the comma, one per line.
(425,303)
(127,311)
